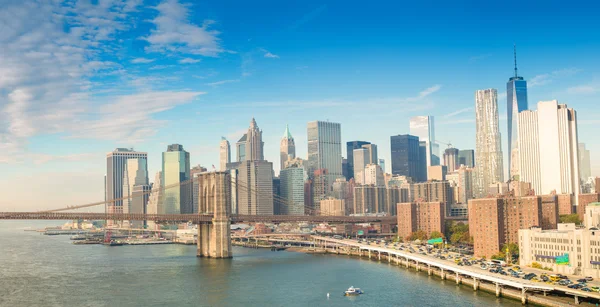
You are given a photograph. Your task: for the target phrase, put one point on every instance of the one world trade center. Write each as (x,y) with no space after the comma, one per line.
(516,101)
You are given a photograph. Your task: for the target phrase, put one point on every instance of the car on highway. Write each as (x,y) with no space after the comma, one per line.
(589,278)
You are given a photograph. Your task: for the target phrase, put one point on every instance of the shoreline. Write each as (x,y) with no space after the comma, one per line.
(512,294)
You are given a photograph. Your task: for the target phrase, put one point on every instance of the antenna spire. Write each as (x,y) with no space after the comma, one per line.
(515,53)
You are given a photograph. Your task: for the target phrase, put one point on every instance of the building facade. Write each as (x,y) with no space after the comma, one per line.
(292,190)
(350,147)
(177,195)
(287,148)
(451,159)
(373,175)
(566,250)
(432,191)
(255,188)
(406,160)
(466,157)
(224,154)
(423,127)
(425,216)
(325,149)
(488,154)
(516,101)
(333,207)
(116,163)
(549,139)
(361,159)
(585,170)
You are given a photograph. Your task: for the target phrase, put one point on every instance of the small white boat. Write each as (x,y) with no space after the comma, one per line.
(353,292)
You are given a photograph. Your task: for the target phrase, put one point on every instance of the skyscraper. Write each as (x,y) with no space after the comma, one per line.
(371,153)
(585,171)
(194,175)
(423,127)
(451,159)
(350,147)
(292,190)
(254,143)
(382,164)
(361,159)
(224,154)
(240,148)
(406,160)
(488,154)
(549,156)
(287,149)
(325,149)
(135,179)
(116,162)
(155,205)
(516,101)
(177,195)
(466,157)
(255,187)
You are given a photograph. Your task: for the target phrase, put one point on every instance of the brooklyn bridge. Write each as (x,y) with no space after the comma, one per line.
(214,216)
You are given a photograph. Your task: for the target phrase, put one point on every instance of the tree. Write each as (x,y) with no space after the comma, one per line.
(435,235)
(513,248)
(418,235)
(458,232)
(570,218)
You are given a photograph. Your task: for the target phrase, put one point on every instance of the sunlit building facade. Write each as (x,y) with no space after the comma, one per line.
(488,154)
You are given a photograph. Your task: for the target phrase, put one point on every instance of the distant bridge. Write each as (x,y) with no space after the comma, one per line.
(194,218)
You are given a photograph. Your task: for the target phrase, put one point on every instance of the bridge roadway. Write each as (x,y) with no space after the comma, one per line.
(472,272)
(194,218)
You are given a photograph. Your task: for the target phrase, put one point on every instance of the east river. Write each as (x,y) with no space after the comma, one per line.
(38,270)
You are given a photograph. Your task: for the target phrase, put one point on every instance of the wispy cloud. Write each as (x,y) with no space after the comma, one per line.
(159,67)
(458,112)
(428,91)
(584,89)
(188,61)
(308,17)
(175,33)
(142,60)
(480,57)
(268,54)
(547,78)
(217,83)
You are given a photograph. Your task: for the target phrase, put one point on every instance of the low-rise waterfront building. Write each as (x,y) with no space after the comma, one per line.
(566,250)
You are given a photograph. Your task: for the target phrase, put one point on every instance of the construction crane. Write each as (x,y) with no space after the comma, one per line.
(447,144)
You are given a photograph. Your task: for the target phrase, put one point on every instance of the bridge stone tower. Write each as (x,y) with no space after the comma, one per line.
(214,198)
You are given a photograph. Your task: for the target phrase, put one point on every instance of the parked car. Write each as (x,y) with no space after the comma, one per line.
(589,278)
(586,289)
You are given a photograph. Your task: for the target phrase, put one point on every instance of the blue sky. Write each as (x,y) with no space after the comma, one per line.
(79,78)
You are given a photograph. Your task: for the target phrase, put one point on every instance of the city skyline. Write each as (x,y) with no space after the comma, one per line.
(138,96)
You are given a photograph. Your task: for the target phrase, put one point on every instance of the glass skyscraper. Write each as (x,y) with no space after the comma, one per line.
(424,128)
(406,156)
(516,101)
(325,149)
(350,147)
(177,197)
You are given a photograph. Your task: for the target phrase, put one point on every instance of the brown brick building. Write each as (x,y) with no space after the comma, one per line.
(565,204)
(426,216)
(496,221)
(584,200)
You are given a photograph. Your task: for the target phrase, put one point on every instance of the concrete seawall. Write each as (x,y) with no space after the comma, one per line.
(529,298)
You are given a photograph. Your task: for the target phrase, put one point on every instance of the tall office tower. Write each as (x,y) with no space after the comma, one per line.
(345,168)
(465,184)
(406,160)
(585,170)
(135,177)
(240,148)
(155,205)
(254,143)
(361,159)
(350,147)
(451,159)
(321,188)
(224,154)
(382,164)
(140,195)
(278,202)
(549,156)
(287,149)
(516,101)
(325,149)
(373,175)
(371,152)
(292,190)
(423,127)
(116,162)
(488,154)
(194,174)
(255,188)
(466,157)
(177,195)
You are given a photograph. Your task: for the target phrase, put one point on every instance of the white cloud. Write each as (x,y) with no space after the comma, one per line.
(175,33)
(547,78)
(142,60)
(217,83)
(49,53)
(457,112)
(188,61)
(584,89)
(268,54)
(426,92)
